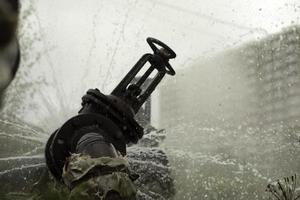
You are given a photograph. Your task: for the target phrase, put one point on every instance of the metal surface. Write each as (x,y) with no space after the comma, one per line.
(132,93)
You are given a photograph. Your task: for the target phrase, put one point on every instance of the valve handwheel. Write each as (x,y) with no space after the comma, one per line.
(166,52)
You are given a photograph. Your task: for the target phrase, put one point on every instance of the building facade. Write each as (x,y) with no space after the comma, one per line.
(256,84)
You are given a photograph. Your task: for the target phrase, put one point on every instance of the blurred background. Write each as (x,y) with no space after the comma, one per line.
(231,113)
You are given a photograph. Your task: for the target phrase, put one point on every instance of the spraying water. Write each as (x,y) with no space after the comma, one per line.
(215,150)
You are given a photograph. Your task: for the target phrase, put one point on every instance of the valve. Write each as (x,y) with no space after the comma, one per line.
(106,123)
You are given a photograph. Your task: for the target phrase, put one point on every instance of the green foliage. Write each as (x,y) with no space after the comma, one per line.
(284,189)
